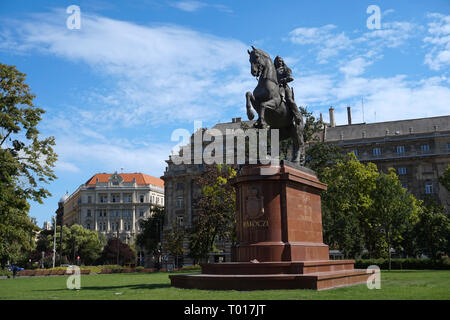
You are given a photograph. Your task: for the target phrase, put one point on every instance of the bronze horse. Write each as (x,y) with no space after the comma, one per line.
(267,102)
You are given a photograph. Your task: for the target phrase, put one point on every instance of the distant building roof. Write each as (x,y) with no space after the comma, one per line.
(141,179)
(391,128)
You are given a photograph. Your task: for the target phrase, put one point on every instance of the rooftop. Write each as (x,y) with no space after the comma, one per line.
(388,128)
(141,179)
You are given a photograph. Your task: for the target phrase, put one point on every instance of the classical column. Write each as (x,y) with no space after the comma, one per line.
(133,226)
(95,219)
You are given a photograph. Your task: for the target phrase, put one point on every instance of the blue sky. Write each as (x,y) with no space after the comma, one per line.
(115,89)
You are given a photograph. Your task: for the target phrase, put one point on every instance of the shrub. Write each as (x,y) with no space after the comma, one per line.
(5,273)
(408,264)
(194,267)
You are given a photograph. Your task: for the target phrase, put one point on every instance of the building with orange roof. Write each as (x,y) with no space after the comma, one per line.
(113,204)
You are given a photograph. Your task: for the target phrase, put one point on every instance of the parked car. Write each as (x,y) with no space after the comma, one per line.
(13,268)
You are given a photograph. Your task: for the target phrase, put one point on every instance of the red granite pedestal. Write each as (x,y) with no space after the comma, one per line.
(279,229)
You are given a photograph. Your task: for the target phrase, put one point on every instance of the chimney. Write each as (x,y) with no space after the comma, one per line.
(332,122)
(237,120)
(349,115)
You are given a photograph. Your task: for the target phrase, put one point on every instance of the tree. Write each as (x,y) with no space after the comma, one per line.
(175,240)
(445,179)
(116,248)
(346,202)
(149,238)
(17,232)
(312,126)
(392,209)
(322,155)
(215,211)
(26,161)
(433,230)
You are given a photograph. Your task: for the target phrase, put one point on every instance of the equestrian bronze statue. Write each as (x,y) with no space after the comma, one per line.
(274,102)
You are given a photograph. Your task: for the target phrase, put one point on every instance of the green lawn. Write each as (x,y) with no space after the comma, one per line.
(407,284)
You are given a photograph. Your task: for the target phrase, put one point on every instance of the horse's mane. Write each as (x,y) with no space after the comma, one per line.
(262,53)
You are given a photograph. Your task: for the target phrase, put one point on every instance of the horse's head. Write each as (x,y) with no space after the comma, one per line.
(255,65)
(258,60)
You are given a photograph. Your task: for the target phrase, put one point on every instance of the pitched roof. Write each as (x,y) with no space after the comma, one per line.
(141,179)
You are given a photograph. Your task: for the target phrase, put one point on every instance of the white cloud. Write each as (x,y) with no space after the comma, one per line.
(189,6)
(328,42)
(192,6)
(438,40)
(355,67)
(159,70)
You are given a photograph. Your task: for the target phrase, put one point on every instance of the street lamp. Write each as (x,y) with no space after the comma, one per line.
(118,246)
(54,241)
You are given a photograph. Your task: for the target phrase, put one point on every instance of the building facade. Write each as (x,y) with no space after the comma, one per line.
(418,150)
(113,204)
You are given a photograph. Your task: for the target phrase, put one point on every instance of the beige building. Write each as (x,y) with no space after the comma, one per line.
(418,149)
(113,204)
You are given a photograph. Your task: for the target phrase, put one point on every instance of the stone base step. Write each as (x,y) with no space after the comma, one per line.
(314,281)
(282,267)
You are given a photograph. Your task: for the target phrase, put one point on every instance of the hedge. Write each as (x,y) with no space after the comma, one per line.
(409,264)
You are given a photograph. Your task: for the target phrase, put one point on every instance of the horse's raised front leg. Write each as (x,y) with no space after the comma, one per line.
(250,103)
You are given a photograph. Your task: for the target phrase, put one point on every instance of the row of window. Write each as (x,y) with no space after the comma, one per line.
(127,198)
(400,149)
(428,187)
(102,226)
(114,213)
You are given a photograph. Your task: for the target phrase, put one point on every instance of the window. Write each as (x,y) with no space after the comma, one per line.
(115,197)
(179,202)
(141,198)
(180,186)
(103,198)
(425,147)
(180,221)
(141,213)
(127,213)
(376,151)
(88,226)
(401,170)
(89,199)
(153,199)
(448,146)
(157,200)
(127,197)
(400,149)
(428,187)
(88,214)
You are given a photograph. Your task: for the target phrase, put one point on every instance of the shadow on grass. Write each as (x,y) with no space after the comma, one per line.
(131,287)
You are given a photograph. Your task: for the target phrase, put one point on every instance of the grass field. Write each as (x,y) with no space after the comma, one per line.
(406,284)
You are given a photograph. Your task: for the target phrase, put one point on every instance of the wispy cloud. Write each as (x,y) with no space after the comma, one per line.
(192,6)
(158,70)
(438,40)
